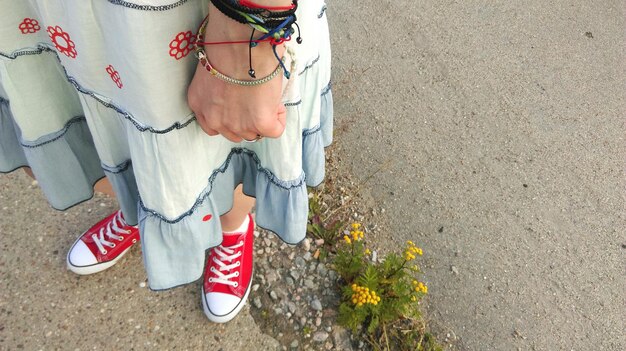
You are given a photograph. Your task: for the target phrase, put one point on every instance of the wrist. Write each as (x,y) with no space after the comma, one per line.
(234,59)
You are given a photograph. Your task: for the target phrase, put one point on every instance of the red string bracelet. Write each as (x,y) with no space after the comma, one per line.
(278,42)
(253,5)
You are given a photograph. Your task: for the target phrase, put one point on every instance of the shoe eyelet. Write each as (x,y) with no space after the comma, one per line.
(210,280)
(104,252)
(121,238)
(236,285)
(134,241)
(238,263)
(212,269)
(236,274)
(112,245)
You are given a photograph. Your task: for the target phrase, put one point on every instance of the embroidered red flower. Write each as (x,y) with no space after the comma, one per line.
(182,44)
(115,76)
(29,25)
(62,41)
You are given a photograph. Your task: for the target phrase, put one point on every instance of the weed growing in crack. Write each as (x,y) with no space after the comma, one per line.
(382,297)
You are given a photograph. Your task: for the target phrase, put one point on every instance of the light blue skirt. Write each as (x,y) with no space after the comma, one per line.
(95,88)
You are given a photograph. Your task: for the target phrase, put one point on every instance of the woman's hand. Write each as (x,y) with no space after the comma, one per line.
(237,112)
(234,111)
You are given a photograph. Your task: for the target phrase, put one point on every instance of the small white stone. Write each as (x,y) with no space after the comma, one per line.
(34,183)
(142,284)
(255,287)
(306,244)
(102,204)
(319,242)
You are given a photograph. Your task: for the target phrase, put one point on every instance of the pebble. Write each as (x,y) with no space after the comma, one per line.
(321,270)
(454,269)
(255,287)
(316,305)
(142,284)
(257,302)
(273,295)
(294,344)
(290,281)
(294,274)
(309,284)
(320,336)
(271,277)
(267,242)
(318,321)
(300,262)
(34,183)
(307,256)
(292,307)
(260,251)
(341,337)
(319,242)
(306,244)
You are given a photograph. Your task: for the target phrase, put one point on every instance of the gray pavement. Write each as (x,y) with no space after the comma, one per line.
(43,306)
(502,123)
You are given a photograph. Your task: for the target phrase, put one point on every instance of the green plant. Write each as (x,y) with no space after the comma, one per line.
(317,227)
(382,296)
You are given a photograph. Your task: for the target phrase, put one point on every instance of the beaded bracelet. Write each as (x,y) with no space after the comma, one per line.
(204,61)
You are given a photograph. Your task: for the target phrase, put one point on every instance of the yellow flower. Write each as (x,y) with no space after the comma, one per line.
(356,225)
(421,288)
(347,239)
(413,298)
(367,251)
(363,295)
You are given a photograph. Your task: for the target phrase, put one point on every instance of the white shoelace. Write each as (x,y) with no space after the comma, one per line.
(226,254)
(111,227)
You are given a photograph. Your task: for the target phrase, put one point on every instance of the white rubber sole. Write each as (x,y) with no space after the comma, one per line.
(227,317)
(94,268)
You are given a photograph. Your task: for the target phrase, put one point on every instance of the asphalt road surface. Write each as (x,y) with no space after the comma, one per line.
(499,128)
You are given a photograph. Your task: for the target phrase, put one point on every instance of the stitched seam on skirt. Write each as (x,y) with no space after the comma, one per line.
(62,132)
(122,167)
(22,52)
(322,12)
(126,115)
(310,65)
(327,89)
(287,185)
(147,7)
(310,131)
(295,103)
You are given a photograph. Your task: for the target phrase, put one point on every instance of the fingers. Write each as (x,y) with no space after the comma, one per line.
(230,135)
(204,125)
(274,128)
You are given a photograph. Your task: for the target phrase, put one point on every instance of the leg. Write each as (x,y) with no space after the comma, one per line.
(228,273)
(242,205)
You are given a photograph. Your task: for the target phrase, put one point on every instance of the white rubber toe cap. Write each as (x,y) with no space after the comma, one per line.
(221,304)
(81,256)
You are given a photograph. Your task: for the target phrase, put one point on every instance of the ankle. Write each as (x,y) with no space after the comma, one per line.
(237,229)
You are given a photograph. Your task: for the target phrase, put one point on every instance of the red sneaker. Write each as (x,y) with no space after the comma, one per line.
(102,245)
(228,276)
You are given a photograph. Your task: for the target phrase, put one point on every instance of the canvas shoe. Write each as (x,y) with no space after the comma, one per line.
(228,276)
(102,245)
